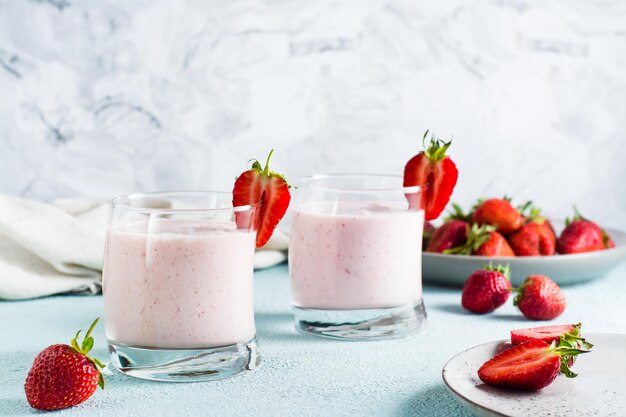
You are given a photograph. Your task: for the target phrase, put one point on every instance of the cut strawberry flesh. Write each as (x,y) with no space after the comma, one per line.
(529,366)
(547,334)
(266,188)
(435,174)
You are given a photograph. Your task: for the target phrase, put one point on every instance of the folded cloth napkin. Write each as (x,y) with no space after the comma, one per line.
(57,248)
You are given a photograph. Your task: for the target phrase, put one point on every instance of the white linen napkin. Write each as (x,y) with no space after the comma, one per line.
(57,248)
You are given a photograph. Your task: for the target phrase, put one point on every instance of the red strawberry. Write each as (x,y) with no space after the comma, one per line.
(539,298)
(495,246)
(483,241)
(532,365)
(500,213)
(533,239)
(63,376)
(434,173)
(449,235)
(582,235)
(486,289)
(548,334)
(560,333)
(265,186)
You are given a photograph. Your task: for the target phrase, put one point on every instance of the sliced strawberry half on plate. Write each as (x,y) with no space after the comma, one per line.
(531,365)
(270,189)
(549,334)
(435,173)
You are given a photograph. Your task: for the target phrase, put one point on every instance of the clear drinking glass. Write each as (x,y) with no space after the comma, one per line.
(355,257)
(177,284)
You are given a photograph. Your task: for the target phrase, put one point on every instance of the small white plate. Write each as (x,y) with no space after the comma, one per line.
(599,389)
(563,269)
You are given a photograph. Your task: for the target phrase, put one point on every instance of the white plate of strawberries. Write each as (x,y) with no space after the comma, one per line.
(549,370)
(495,231)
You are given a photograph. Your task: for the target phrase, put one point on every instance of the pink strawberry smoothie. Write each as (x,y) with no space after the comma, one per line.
(355,255)
(185,284)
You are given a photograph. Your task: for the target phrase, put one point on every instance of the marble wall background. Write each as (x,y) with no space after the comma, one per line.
(104,97)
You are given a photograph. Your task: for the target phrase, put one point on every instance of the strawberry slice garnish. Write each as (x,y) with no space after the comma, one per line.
(434,173)
(531,365)
(270,189)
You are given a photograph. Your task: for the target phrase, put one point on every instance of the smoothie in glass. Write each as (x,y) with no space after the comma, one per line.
(355,255)
(187,285)
(177,286)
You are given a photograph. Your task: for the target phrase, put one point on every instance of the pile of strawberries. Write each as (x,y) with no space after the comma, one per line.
(535,357)
(494,227)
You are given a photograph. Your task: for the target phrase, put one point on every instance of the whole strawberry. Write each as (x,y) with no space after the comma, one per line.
(582,235)
(63,376)
(540,298)
(535,238)
(498,212)
(483,241)
(449,235)
(486,289)
(496,245)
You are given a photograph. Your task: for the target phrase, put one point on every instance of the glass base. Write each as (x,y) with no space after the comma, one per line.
(365,324)
(185,365)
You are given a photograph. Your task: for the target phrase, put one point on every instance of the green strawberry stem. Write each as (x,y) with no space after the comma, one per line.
(437,148)
(502,269)
(477,236)
(566,354)
(84,348)
(572,339)
(266,170)
(457,214)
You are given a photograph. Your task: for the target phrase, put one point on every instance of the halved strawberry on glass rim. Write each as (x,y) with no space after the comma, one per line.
(436,175)
(269,189)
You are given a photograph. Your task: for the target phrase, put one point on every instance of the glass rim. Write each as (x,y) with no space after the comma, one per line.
(121,202)
(308,182)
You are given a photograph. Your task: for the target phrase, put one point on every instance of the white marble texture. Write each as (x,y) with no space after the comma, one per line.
(104,97)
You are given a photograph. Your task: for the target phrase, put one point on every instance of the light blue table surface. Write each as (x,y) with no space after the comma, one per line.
(300,375)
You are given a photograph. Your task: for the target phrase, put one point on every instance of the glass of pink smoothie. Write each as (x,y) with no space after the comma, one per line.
(177,285)
(355,257)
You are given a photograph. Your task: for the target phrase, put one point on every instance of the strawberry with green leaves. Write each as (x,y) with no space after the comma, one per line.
(540,298)
(259,185)
(486,289)
(536,237)
(498,212)
(532,365)
(436,175)
(582,235)
(483,241)
(63,376)
(449,235)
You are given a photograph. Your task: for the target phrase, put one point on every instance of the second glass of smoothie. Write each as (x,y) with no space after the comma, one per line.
(177,285)
(355,257)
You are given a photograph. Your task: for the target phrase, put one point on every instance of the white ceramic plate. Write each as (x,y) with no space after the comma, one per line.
(563,269)
(599,389)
